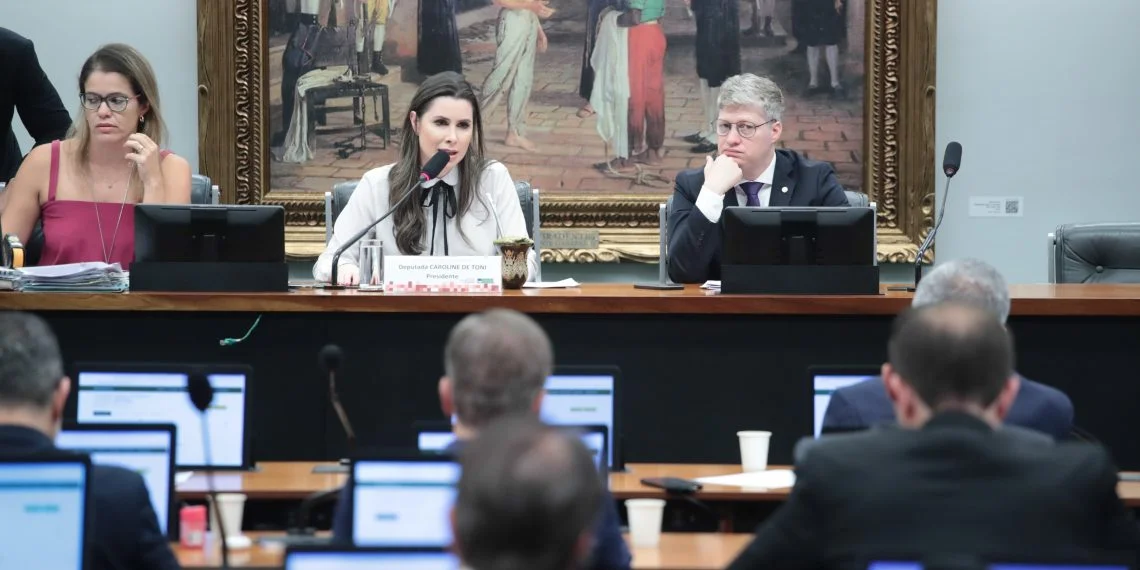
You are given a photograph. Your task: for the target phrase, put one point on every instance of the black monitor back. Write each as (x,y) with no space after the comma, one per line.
(799,250)
(218,248)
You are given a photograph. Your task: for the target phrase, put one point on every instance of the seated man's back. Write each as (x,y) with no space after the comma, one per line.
(945,487)
(860,406)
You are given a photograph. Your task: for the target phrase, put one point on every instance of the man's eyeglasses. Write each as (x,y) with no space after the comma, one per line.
(117,102)
(745,129)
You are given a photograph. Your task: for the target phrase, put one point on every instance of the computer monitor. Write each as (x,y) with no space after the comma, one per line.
(799,250)
(403,501)
(825,380)
(45,506)
(584,396)
(368,558)
(157,393)
(435,439)
(244,247)
(147,449)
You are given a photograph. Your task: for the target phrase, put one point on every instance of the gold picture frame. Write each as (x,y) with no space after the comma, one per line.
(898,135)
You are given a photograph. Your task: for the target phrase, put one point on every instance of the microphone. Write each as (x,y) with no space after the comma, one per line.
(951,161)
(430,171)
(331,357)
(201,394)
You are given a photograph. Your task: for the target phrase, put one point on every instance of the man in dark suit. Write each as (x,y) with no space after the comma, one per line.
(496,365)
(33,390)
(528,497)
(27,90)
(748,171)
(974,282)
(946,481)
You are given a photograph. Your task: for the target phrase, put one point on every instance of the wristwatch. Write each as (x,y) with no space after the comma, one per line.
(13,252)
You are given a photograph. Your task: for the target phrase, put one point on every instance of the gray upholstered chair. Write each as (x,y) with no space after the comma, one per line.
(335,202)
(202,191)
(1095,253)
(857,199)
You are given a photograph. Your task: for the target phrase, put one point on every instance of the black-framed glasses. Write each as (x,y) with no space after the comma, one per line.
(745,129)
(117,102)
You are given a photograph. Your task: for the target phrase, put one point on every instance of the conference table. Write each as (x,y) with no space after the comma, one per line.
(696,365)
(676,551)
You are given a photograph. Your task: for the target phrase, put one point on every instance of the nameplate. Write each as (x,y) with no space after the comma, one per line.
(570,239)
(442,274)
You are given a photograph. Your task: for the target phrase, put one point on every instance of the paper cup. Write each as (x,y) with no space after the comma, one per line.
(754,450)
(645,521)
(231,506)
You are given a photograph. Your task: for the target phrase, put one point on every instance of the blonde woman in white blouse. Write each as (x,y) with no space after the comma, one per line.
(453,213)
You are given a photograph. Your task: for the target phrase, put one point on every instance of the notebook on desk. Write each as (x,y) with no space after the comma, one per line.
(45,506)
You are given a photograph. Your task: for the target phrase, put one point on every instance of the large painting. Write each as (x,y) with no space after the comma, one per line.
(298,95)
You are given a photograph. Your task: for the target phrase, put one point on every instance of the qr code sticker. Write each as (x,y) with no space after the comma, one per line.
(1012,207)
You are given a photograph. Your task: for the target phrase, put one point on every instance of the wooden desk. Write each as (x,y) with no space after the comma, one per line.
(291,480)
(696,366)
(677,551)
(1028,300)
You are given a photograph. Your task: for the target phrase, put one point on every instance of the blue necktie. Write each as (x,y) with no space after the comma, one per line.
(752,190)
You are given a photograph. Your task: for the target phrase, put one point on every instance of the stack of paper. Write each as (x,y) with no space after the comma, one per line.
(93,276)
(772,479)
(563,284)
(712,285)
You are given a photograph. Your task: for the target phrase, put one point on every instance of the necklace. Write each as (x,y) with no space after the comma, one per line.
(99,218)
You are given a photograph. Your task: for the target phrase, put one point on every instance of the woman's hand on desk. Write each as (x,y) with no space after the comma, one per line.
(348,275)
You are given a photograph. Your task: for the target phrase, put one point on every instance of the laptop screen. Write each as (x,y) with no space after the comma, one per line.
(403,502)
(823,384)
(595,439)
(161,397)
(370,559)
(43,508)
(897,565)
(146,451)
(582,399)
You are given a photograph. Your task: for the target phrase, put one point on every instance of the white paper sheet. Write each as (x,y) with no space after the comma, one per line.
(565,283)
(181,477)
(711,284)
(772,479)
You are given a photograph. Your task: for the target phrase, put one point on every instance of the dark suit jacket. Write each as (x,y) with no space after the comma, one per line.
(1037,407)
(126,532)
(27,90)
(694,241)
(956,486)
(610,551)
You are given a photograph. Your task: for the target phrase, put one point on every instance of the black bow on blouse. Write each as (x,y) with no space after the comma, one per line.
(432,196)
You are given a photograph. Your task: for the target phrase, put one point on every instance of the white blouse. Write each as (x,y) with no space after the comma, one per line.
(370,201)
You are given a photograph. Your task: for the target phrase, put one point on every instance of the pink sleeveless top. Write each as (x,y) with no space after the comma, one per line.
(71,229)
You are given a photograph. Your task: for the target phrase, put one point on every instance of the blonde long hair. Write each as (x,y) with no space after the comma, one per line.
(128,62)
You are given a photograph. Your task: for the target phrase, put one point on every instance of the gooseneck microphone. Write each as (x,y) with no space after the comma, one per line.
(951,162)
(201,395)
(331,357)
(430,171)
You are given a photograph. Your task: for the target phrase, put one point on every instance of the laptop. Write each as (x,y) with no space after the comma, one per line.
(824,380)
(368,558)
(45,506)
(403,500)
(147,449)
(1035,565)
(435,437)
(584,396)
(156,393)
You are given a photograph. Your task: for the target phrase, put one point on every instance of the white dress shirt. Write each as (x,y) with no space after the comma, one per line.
(711,204)
(370,201)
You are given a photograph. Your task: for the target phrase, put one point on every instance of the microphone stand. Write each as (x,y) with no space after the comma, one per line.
(927,243)
(333,285)
(201,395)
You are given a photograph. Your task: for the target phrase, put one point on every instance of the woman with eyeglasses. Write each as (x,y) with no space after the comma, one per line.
(83,189)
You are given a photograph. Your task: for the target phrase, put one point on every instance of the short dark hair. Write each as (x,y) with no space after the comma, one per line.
(30,363)
(952,352)
(498,362)
(527,494)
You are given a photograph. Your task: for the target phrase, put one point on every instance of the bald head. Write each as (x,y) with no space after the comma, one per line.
(952,354)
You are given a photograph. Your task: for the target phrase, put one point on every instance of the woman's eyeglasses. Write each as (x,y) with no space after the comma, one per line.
(117,102)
